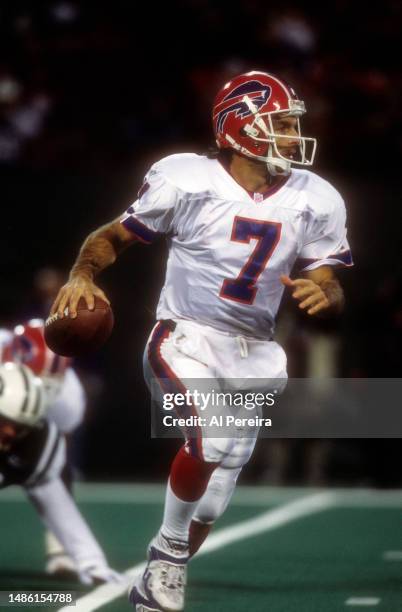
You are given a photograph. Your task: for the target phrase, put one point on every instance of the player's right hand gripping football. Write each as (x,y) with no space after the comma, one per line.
(70,294)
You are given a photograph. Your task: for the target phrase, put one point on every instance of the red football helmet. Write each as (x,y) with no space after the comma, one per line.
(242,119)
(28,346)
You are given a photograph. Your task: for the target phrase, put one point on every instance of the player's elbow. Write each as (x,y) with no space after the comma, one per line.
(119,236)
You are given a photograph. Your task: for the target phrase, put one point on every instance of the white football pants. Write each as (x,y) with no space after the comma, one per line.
(60,514)
(193,357)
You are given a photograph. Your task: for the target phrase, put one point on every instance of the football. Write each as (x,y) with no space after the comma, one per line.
(82,335)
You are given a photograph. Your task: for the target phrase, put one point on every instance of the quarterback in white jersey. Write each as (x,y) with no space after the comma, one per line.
(228,246)
(237,223)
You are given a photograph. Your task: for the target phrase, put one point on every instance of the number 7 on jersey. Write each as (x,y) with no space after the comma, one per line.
(267,233)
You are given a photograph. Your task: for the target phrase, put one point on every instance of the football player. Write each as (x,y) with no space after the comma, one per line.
(66,405)
(32,455)
(237,223)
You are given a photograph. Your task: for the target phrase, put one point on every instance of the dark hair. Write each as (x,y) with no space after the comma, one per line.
(225,155)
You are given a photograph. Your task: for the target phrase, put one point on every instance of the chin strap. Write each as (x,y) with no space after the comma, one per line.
(277,166)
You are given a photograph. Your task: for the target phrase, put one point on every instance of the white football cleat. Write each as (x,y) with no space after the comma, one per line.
(161,587)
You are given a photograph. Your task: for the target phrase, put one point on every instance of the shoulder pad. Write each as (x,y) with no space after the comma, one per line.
(188,172)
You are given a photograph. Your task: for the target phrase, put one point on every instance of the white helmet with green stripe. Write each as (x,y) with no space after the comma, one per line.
(22,397)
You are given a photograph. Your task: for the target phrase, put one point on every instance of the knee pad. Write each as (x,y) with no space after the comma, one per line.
(240,453)
(215,450)
(217,496)
(230,453)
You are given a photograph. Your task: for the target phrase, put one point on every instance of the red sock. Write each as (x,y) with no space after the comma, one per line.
(189,476)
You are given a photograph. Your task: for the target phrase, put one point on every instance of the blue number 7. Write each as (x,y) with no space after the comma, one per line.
(267,233)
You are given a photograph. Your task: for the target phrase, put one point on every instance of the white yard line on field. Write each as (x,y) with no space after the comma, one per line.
(392,555)
(362,601)
(268,521)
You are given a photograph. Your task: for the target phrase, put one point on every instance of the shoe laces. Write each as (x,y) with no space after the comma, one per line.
(172,576)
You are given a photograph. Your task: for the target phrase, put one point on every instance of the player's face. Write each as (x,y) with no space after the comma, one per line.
(288,126)
(9,432)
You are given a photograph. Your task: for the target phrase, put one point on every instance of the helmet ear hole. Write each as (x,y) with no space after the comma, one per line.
(245,132)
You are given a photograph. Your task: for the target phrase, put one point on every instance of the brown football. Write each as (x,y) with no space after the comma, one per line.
(82,335)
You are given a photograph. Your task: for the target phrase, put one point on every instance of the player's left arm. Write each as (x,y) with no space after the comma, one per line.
(318,291)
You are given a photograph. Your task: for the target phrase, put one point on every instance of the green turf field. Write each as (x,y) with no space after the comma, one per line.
(276,550)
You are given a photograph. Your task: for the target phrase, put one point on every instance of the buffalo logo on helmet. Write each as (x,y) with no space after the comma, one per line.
(233,102)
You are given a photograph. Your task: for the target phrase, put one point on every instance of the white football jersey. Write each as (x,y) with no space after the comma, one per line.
(229,247)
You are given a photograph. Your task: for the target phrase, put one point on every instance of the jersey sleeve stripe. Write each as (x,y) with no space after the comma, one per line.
(170,383)
(335,259)
(141,231)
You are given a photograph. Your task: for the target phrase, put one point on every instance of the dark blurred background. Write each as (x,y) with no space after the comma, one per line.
(91,94)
